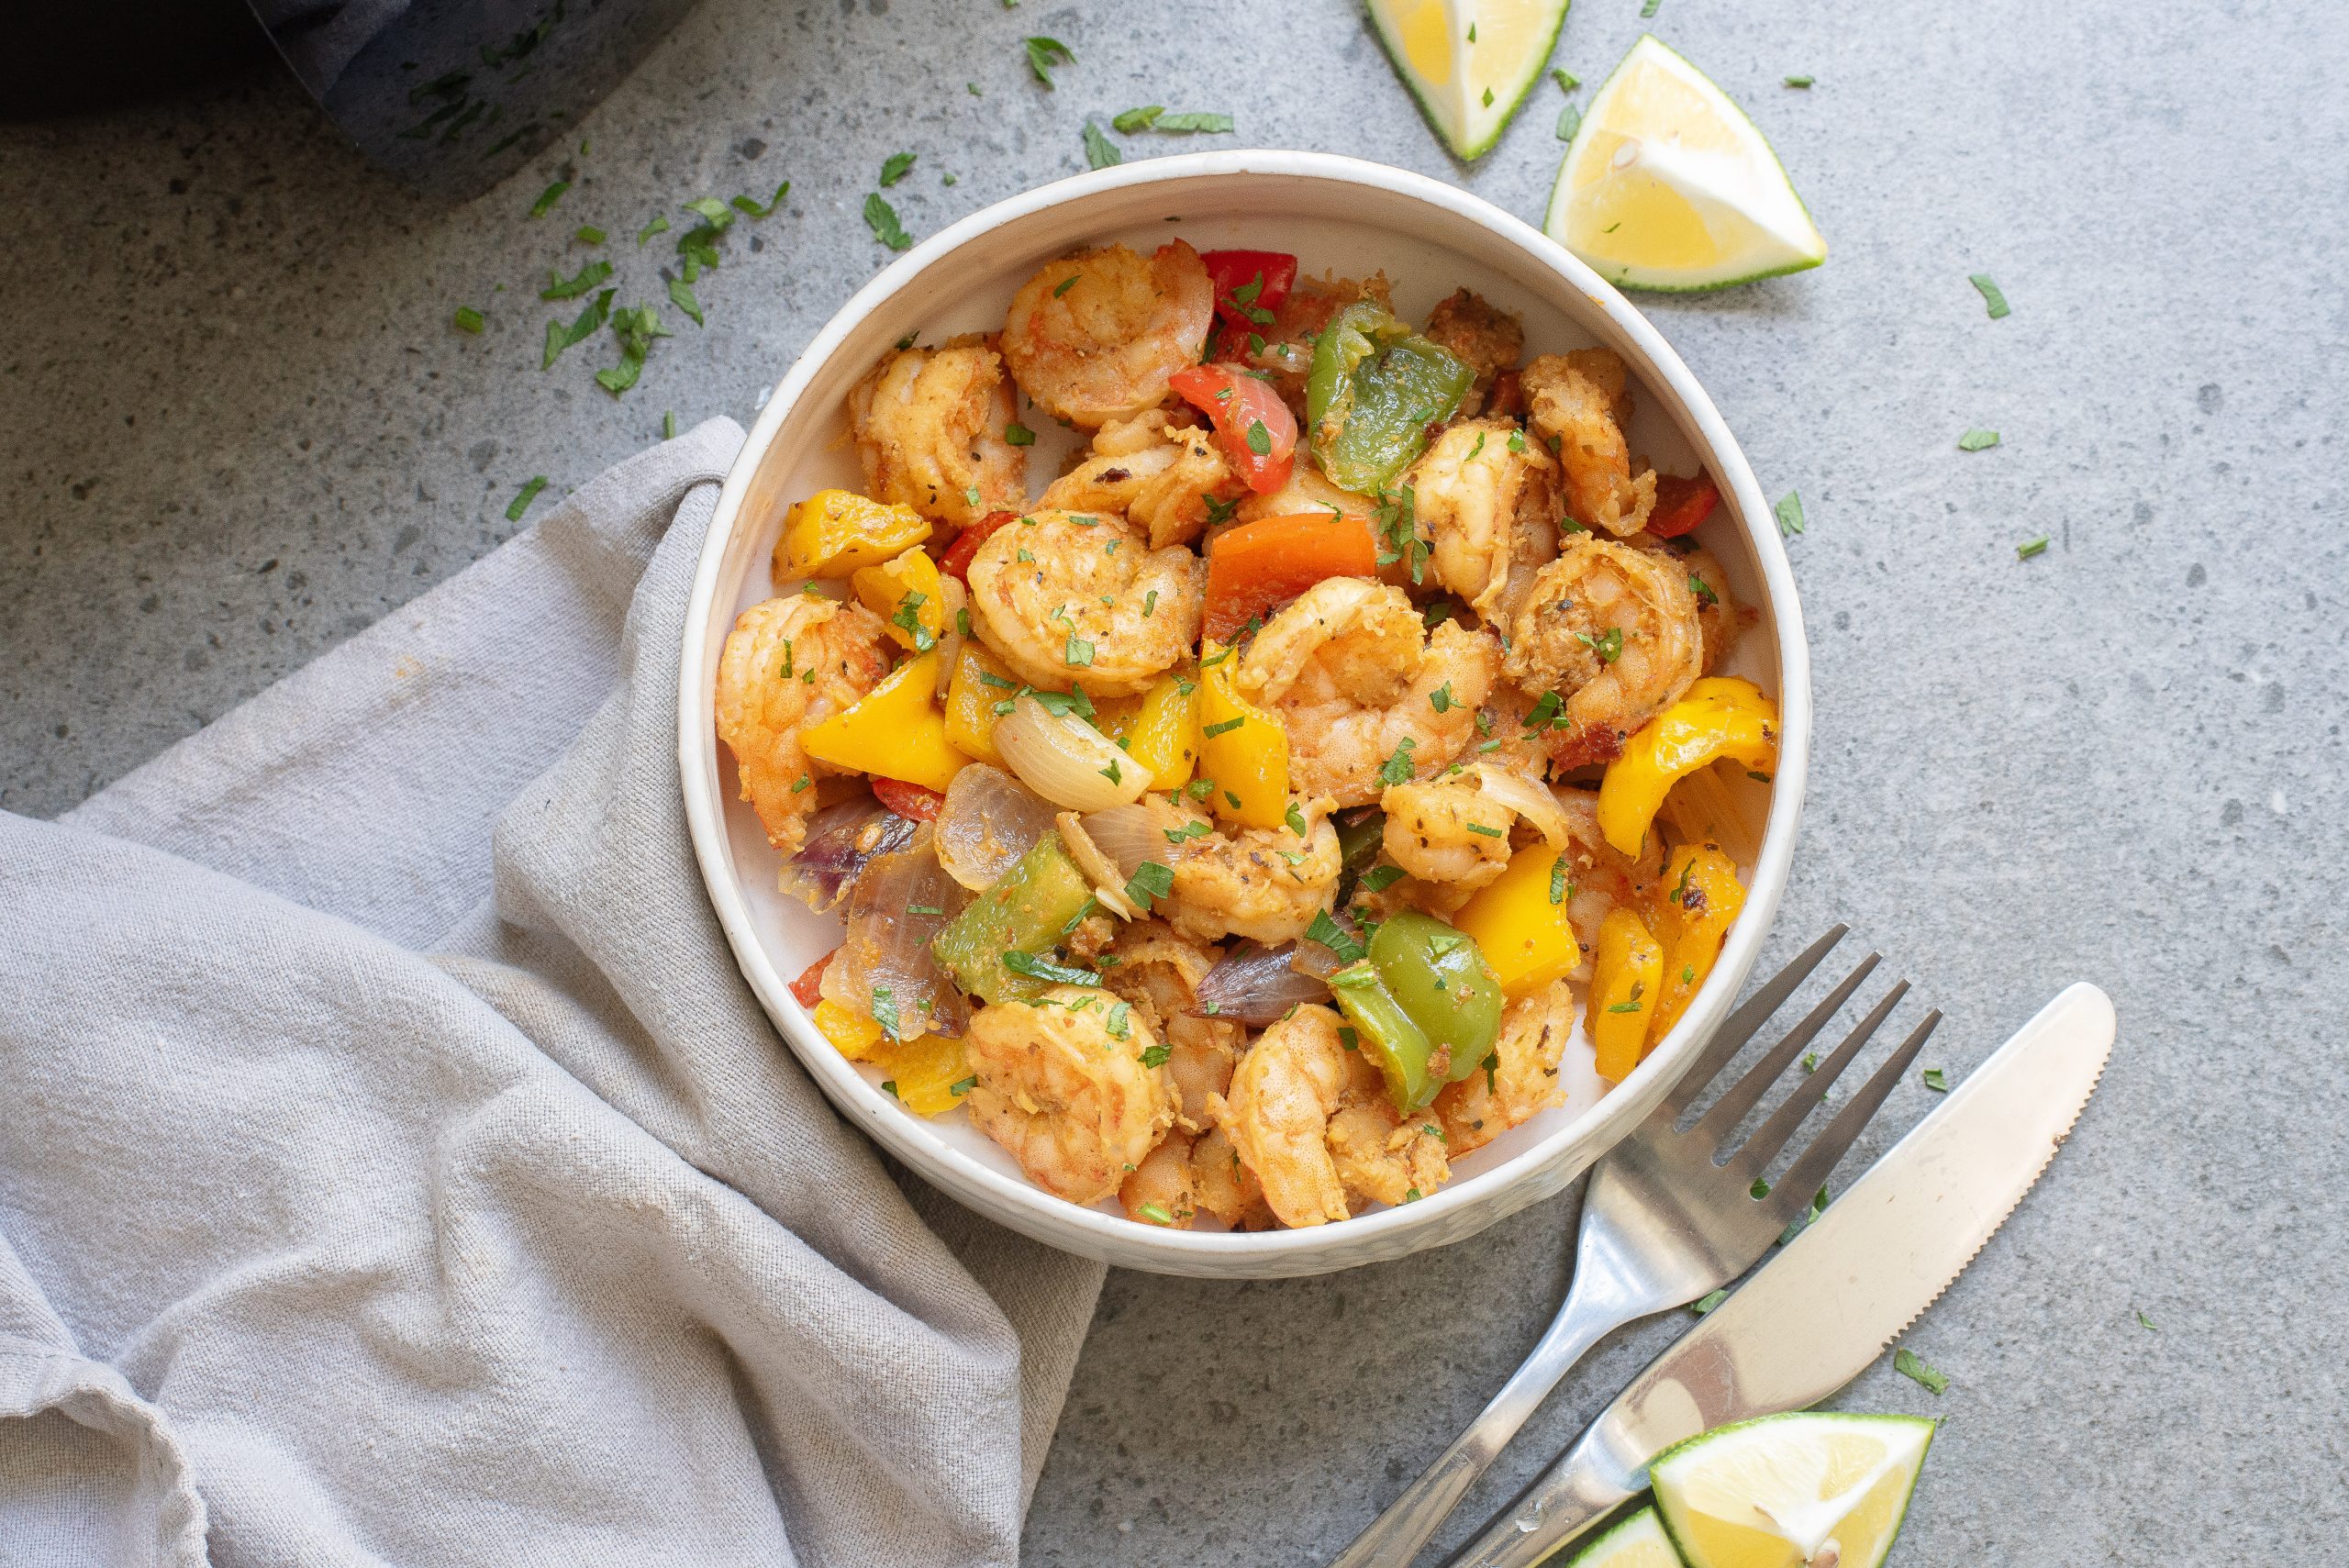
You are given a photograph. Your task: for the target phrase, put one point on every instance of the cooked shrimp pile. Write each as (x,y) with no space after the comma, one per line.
(1246,821)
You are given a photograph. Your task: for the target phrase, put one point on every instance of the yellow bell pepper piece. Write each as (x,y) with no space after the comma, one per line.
(971,699)
(833,532)
(1626,978)
(905,592)
(896,730)
(1243,748)
(852,1034)
(1519,921)
(928,1075)
(1700,898)
(1163,735)
(1719,717)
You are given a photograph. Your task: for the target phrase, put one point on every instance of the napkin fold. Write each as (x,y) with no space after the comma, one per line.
(394,1167)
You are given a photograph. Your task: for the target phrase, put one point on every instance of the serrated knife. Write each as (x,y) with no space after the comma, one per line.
(1816,1315)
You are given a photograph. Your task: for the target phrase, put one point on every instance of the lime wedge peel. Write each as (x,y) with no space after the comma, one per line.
(1638,1541)
(1468,89)
(1668,185)
(1812,1487)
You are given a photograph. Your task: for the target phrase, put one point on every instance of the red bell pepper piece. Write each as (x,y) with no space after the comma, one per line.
(1258,565)
(1257,432)
(911,801)
(1681,504)
(956,561)
(809,987)
(1249,285)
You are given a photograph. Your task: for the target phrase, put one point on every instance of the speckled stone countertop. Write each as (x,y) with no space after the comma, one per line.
(239,427)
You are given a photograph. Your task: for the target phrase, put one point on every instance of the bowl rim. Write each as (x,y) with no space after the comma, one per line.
(1450,1213)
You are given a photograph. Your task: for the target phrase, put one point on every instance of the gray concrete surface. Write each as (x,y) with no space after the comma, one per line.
(239,427)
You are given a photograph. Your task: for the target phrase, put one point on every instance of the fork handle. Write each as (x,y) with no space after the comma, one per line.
(1395,1537)
(1581,1487)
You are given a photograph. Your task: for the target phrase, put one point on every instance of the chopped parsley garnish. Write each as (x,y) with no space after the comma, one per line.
(1633,1006)
(1078,653)
(803,780)
(1703,590)
(1708,1301)
(1332,935)
(1045,53)
(1488,97)
(1558,880)
(1992,298)
(1019,435)
(680,295)
(1024,554)
(1648,8)
(658,225)
(1207,120)
(1760,1189)
(1150,882)
(925,910)
(1607,645)
(635,326)
(1794,1227)
(2144,1322)
(469,320)
(1113,772)
(1378,879)
(1187,831)
(1155,1213)
(1149,604)
(524,496)
(745,204)
(1133,121)
(1545,712)
(896,167)
(591,274)
(909,620)
(1439,700)
(1789,514)
(1294,818)
(1061,704)
(1936,1080)
(1907,1363)
(1977,440)
(1200,789)
(1036,968)
(1811,1062)
(2031,547)
(885,1008)
(1260,439)
(1065,284)
(669,425)
(548,197)
(1800,80)
(1397,769)
(1213,731)
(1484,831)
(1119,1022)
(1569,122)
(889,1086)
(1100,153)
(1566,80)
(881,218)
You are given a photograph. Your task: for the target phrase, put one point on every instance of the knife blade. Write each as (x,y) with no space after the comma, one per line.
(1820,1312)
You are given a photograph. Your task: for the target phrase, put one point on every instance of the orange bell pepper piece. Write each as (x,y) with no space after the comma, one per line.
(1258,565)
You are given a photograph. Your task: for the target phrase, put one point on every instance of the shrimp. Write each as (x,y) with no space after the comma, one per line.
(1286,356)
(1064,596)
(1307,490)
(1069,1101)
(930,423)
(1358,683)
(1614,631)
(1382,1155)
(1159,973)
(1163,1187)
(1717,611)
(1094,337)
(1266,884)
(1580,403)
(1488,340)
(789,663)
(1486,503)
(1282,1095)
(1451,834)
(1225,1187)
(1520,1081)
(1160,475)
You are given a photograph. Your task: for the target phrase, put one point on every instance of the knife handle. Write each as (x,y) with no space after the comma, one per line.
(1581,1487)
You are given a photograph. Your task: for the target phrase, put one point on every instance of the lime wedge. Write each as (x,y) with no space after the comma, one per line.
(1667,186)
(1810,1490)
(1469,62)
(1637,1542)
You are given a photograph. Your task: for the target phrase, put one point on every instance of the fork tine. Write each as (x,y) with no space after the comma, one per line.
(1741,1025)
(1747,1092)
(1772,1135)
(1810,1173)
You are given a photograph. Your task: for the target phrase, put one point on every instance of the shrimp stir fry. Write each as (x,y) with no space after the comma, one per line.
(1269,927)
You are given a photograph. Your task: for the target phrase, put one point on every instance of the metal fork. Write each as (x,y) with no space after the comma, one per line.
(1669,1215)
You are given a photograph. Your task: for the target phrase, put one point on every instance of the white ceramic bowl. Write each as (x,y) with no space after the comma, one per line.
(1336,214)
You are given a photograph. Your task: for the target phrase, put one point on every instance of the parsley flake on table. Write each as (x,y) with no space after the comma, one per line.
(1205,121)
(1100,153)
(669,425)
(1569,122)
(2144,1322)
(1936,1080)
(680,295)
(1992,297)
(896,167)
(1708,1301)
(2031,547)
(1044,53)
(469,320)
(1649,7)
(587,234)
(1977,441)
(658,225)
(1800,80)
(744,203)
(1133,121)
(635,326)
(1789,514)
(591,274)
(590,321)
(1907,1363)
(524,496)
(1566,80)
(881,218)
(548,197)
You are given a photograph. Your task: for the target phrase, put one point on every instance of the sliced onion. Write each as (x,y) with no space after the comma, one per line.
(841,840)
(950,641)
(1530,800)
(989,820)
(1108,882)
(1129,835)
(1256,986)
(1065,760)
(887,943)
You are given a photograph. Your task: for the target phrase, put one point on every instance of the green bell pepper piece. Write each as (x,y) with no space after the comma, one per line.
(1031,909)
(1438,975)
(1374,389)
(1385,1034)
